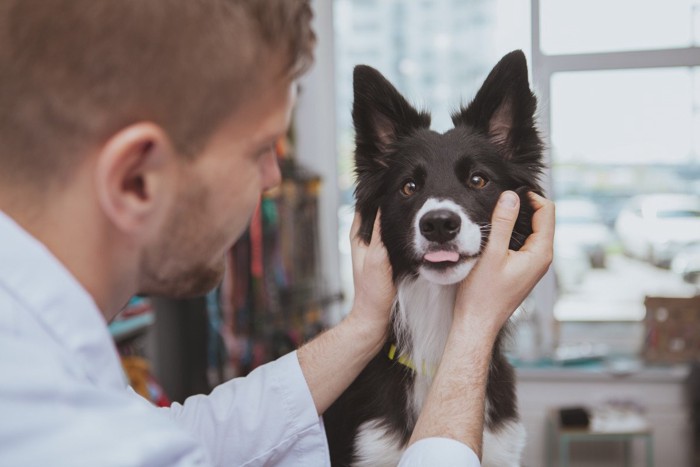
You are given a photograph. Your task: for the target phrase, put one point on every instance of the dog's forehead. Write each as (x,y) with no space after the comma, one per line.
(443,150)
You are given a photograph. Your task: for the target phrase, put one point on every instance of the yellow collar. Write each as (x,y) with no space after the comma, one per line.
(402,359)
(408,363)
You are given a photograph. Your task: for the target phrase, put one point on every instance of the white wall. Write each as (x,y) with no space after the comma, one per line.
(316,147)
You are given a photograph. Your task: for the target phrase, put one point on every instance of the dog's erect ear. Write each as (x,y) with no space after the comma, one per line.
(504,107)
(380,113)
(381,116)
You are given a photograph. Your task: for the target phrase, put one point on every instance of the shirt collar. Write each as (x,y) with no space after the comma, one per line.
(47,290)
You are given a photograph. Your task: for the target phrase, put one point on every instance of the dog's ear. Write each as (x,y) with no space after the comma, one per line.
(380,114)
(504,108)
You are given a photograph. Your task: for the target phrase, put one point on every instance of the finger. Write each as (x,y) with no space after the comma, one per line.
(537,200)
(377,251)
(503,221)
(377,229)
(355,227)
(543,221)
(357,246)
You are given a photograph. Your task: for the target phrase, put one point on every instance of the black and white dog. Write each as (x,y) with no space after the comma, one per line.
(436,193)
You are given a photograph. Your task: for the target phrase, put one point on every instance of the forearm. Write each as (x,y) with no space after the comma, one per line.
(333,360)
(503,278)
(454,407)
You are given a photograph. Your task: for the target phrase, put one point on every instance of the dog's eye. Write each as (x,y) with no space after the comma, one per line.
(409,188)
(477,181)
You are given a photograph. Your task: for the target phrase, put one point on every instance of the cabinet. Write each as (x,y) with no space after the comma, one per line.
(660,390)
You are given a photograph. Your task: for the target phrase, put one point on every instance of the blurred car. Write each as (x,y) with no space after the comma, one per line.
(656,227)
(686,263)
(571,264)
(579,226)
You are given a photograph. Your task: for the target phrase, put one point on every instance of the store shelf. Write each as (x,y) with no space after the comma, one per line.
(127,328)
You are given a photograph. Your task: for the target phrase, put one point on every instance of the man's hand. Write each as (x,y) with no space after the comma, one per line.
(503,278)
(485,300)
(334,359)
(372,276)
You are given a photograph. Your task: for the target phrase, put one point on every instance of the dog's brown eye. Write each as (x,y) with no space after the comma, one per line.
(409,188)
(477,181)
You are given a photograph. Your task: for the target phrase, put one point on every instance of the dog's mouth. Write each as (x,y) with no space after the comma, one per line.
(443,259)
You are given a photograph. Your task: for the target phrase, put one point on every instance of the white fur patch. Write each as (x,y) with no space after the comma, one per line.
(467,242)
(423,320)
(504,447)
(375,446)
(422,324)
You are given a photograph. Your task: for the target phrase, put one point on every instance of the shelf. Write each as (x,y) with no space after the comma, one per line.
(127,328)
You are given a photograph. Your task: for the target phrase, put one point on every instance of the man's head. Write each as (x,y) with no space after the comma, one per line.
(74,72)
(154,107)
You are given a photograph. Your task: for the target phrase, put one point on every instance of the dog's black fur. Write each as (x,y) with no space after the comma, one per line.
(494,138)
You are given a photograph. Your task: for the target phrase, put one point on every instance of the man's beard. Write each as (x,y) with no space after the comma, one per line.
(194,282)
(182,264)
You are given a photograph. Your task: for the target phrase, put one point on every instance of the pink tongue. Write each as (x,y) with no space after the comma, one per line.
(440,256)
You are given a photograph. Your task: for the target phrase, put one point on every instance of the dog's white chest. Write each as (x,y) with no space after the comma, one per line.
(422,324)
(375,446)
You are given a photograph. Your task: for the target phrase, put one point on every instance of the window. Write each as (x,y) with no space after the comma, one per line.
(436,52)
(621,81)
(593,26)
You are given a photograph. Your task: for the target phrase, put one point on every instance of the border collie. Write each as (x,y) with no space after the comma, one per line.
(436,193)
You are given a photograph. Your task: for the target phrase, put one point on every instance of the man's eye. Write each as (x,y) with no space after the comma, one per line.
(265,151)
(477,181)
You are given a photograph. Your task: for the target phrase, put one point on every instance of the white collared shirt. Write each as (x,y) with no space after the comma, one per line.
(64,399)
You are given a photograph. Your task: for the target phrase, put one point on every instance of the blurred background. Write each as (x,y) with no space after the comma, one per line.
(613,330)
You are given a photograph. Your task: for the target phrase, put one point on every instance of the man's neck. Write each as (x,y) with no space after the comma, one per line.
(75,234)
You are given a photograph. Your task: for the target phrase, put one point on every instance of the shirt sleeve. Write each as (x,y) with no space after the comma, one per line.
(51,415)
(444,452)
(267,417)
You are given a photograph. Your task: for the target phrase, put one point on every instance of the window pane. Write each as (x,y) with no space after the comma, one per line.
(578,26)
(625,116)
(626,174)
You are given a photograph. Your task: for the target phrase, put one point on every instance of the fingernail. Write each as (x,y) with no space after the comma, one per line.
(508,198)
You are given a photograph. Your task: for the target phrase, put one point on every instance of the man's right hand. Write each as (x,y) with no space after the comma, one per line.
(485,300)
(503,278)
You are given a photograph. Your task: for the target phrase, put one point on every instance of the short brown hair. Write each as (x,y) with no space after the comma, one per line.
(74,72)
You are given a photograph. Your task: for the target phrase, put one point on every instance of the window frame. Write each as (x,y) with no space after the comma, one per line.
(544,66)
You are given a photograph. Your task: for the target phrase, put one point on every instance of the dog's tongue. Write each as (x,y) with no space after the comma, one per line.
(440,256)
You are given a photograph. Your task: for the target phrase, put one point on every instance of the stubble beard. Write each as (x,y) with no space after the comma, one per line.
(181,265)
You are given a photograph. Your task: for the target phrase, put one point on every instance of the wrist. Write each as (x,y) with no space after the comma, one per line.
(370,332)
(476,329)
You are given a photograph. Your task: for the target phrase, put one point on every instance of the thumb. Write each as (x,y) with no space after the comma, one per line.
(358,248)
(503,220)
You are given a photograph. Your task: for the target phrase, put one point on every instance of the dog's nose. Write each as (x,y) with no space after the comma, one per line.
(440,225)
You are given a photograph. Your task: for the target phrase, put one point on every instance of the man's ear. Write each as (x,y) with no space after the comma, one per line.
(504,108)
(136,178)
(380,114)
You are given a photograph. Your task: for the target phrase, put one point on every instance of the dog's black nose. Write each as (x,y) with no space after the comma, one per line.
(440,225)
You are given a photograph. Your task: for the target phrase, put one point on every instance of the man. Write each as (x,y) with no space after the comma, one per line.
(135,139)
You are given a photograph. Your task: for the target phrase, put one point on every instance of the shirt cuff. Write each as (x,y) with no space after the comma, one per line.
(444,452)
(296,394)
